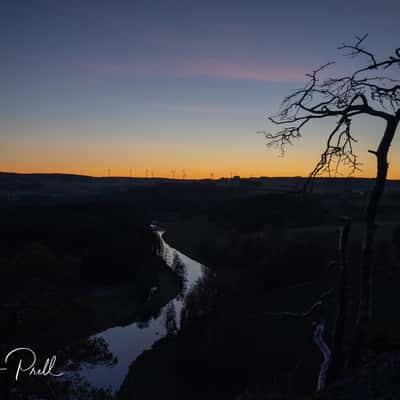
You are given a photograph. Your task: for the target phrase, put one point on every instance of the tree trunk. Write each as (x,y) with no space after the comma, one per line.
(366,270)
(326,353)
(338,360)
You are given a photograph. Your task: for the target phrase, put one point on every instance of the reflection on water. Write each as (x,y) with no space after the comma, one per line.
(127,343)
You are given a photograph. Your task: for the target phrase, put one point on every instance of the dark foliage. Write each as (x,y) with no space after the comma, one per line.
(253,213)
(90,243)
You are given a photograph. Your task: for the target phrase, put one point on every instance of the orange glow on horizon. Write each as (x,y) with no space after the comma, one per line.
(163,159)
(188,174)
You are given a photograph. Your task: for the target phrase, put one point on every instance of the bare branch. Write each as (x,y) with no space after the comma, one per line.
(310,312)
(357,49)
(326,352)
(342,98)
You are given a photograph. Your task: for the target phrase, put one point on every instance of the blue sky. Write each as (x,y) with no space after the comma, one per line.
(165,85)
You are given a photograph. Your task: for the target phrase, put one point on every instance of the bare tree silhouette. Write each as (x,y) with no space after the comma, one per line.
(372,90)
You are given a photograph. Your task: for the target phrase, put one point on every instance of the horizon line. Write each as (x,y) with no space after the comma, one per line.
(190,179)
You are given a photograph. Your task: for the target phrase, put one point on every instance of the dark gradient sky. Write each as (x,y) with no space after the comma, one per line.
(166,85)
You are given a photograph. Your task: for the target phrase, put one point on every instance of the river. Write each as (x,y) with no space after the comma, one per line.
(128,342)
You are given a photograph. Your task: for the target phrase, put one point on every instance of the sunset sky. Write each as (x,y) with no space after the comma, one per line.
(88,86)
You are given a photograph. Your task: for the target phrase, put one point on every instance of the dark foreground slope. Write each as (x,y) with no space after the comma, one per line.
(233,345)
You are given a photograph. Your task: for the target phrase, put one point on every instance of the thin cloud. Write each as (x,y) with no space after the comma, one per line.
(201,108)
(201,68)
(257,72)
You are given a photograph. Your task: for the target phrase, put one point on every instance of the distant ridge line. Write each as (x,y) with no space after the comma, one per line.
(78,176)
